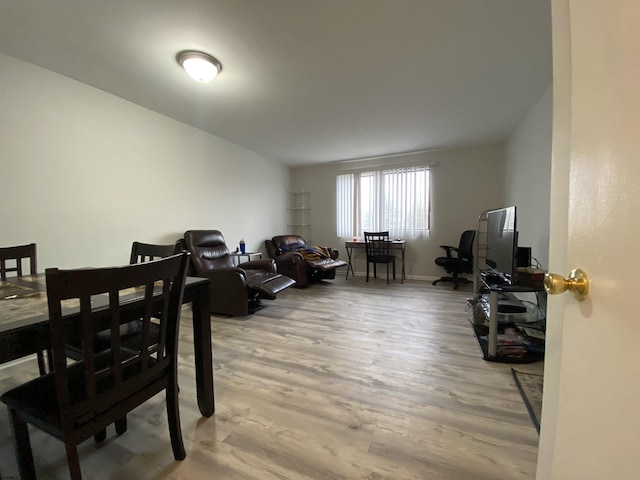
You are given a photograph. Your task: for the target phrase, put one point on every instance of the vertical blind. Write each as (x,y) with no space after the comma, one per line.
(394,199)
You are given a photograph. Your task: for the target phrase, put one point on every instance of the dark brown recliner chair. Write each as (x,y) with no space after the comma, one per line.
(298,260)
(235,290)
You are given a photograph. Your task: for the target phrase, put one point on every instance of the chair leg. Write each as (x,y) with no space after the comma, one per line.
(367,271)
(394,269)
(121,425)
(73,461)
(455,279)
(22,446)
(100,436)
(387,273)
(173,417)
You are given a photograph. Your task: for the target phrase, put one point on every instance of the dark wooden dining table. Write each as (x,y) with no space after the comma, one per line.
(24,326)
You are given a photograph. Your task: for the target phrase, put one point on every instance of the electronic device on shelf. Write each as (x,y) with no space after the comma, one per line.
(501,246)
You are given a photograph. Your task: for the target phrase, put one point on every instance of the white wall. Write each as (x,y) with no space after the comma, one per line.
(528,176)
(465,182)
(85,173)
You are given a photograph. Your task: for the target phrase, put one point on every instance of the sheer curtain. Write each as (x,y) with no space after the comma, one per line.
(395,199)
(345,218)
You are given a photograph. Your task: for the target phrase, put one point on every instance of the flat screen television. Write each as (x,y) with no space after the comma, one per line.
(502,242)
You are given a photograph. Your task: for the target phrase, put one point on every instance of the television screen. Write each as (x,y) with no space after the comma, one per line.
(502,240)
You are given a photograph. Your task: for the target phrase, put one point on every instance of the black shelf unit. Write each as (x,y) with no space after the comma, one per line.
(507,337)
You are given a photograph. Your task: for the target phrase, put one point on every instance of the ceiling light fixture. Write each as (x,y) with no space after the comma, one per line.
(200,66)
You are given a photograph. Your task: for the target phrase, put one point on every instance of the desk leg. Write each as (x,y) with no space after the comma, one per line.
(202,350)
(492,349)
(403,274)
(349,264)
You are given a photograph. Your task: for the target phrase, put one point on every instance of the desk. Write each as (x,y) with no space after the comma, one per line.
(24,326)
(359,244)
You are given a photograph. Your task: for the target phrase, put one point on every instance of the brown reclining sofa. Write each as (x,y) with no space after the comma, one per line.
(302,262)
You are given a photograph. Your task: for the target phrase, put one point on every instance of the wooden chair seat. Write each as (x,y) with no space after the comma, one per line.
(38,398)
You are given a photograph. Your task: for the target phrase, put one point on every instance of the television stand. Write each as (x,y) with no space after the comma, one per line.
(509,327)
(507,330)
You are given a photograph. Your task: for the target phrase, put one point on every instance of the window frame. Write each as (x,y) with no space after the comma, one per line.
(385,184)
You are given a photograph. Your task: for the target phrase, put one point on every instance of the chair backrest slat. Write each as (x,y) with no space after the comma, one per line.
(116,349)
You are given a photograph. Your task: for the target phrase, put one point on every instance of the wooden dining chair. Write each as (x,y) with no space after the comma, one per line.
(79,399)
(140,252)
(17,254)
(130,331)
(377,248)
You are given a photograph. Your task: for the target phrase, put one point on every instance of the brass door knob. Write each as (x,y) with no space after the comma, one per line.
(577,283)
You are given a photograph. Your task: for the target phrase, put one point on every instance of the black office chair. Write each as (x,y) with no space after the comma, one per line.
(458,260)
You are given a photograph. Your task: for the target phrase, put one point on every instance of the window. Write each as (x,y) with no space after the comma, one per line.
(394,199)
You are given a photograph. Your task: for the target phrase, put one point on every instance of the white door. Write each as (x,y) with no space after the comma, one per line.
(591,405)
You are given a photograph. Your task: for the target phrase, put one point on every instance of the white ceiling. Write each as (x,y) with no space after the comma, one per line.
(305,81)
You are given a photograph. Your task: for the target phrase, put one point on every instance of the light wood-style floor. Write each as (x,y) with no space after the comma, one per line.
(342,380)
